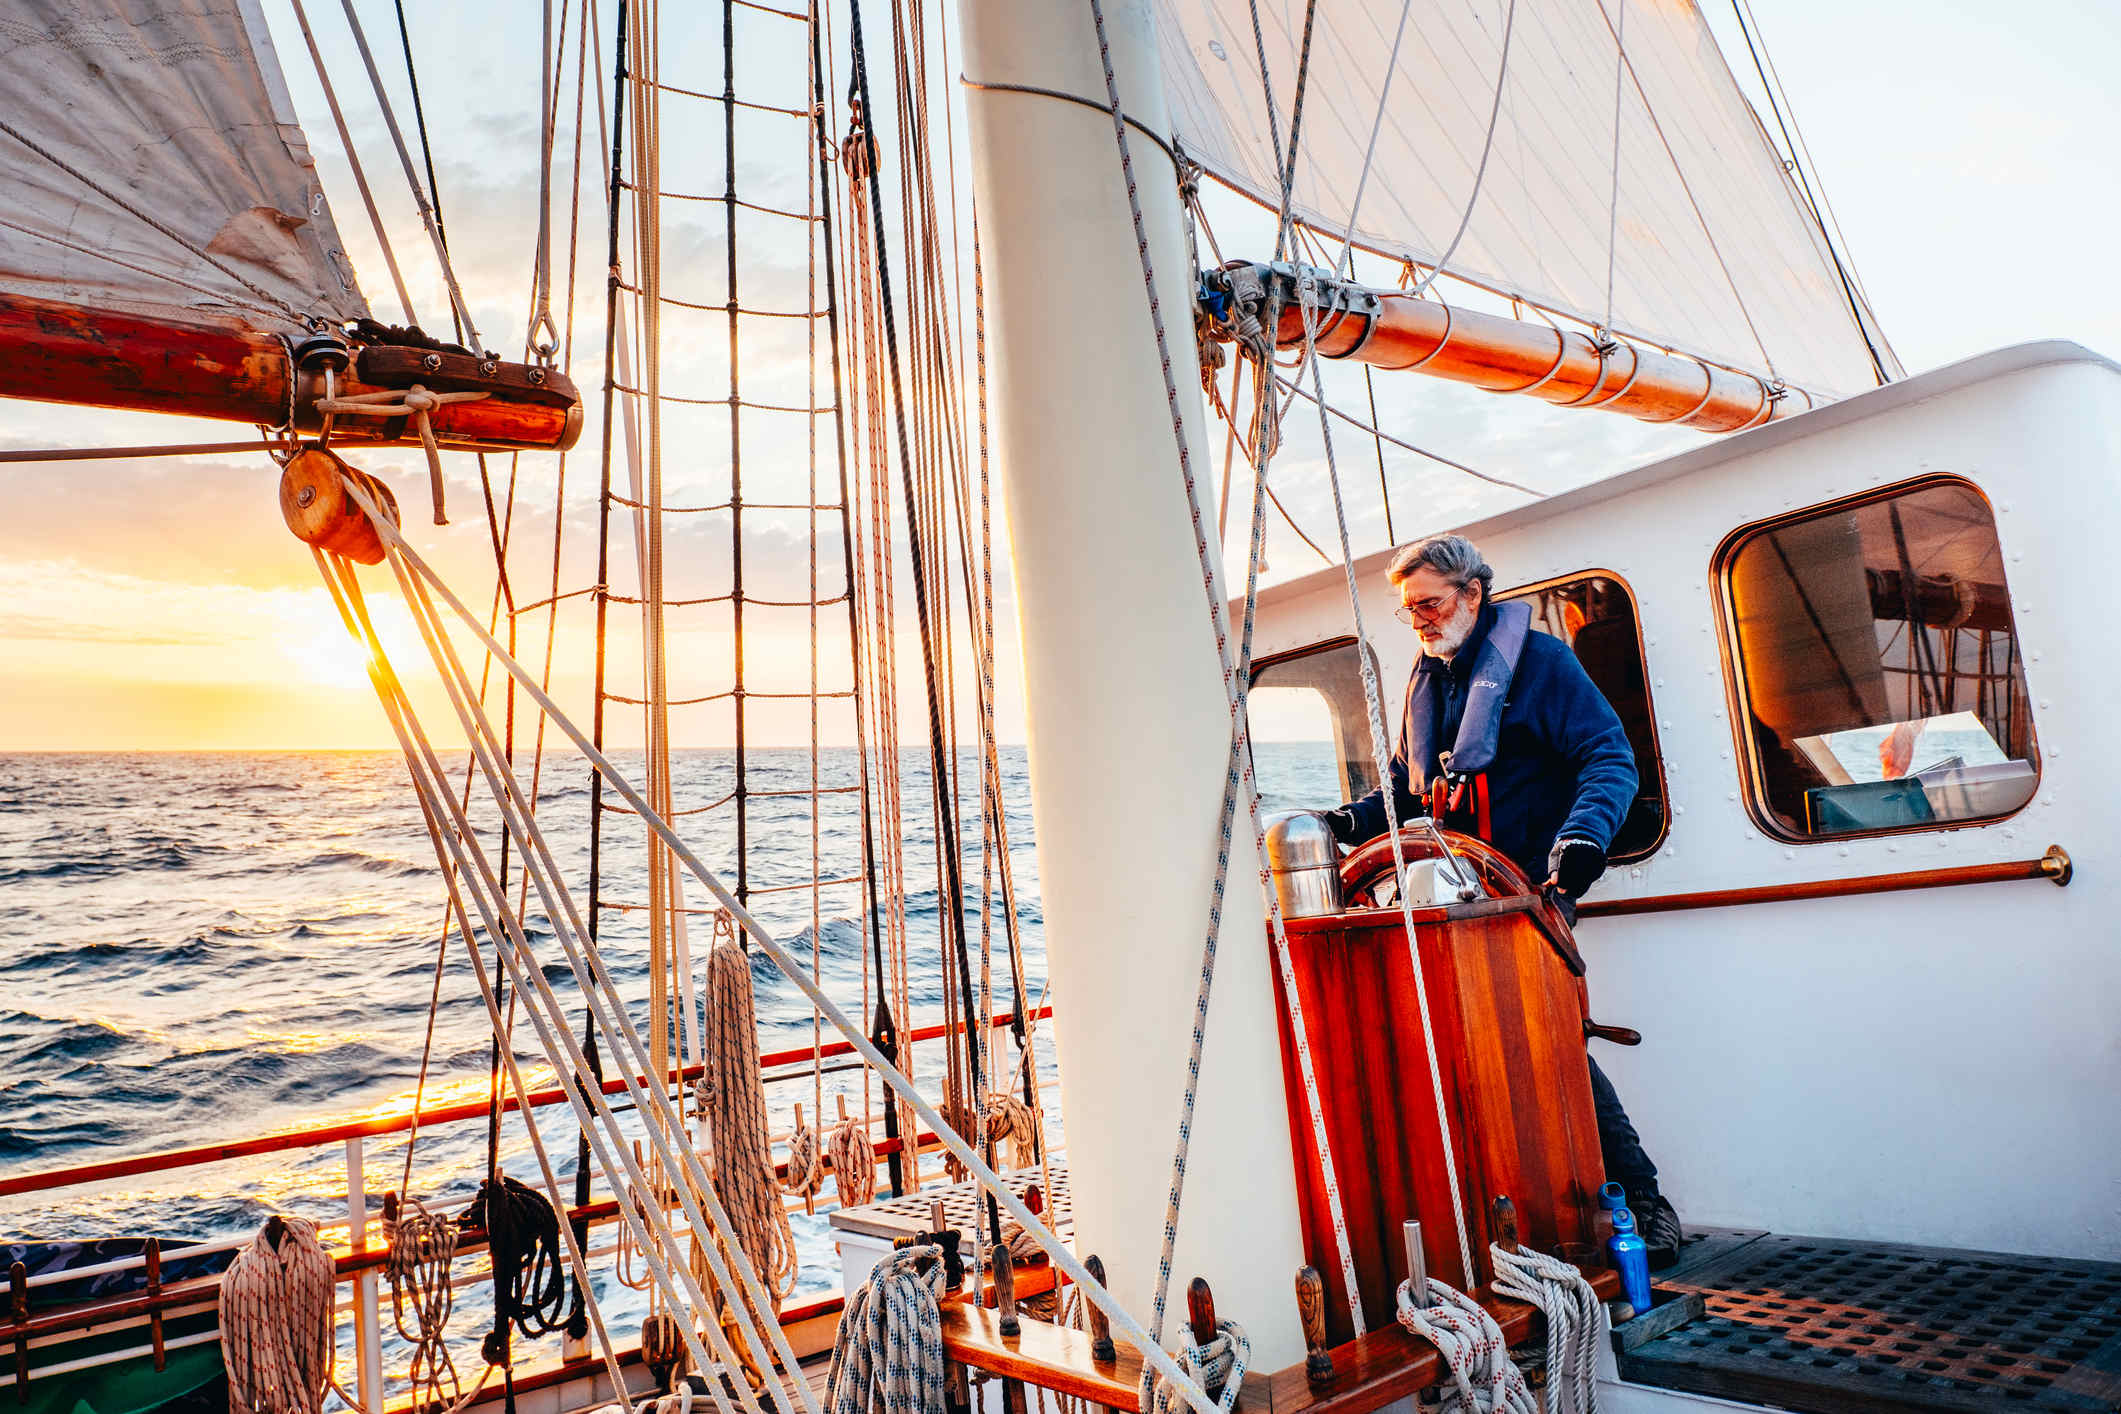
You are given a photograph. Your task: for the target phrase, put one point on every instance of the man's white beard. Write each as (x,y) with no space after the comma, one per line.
(1452,636)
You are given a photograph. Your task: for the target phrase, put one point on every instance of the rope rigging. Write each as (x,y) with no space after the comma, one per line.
(416,580)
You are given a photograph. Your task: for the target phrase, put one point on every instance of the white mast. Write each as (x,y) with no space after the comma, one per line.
(1129,725)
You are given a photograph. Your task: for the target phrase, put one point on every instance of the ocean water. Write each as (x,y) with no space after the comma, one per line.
(202,948)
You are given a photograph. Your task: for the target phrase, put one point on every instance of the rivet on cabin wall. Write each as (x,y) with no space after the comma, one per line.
(1844,852)
(2045,704)
(1660,682)
(1679,810)
(1634,873)
(1789,854)
(1667,723)
(1892,849)
(1730,795)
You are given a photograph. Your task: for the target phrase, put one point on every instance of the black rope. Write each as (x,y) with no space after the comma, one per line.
(529,1275)
(883,1029)
(953,916)
(419,118)
(1848,287)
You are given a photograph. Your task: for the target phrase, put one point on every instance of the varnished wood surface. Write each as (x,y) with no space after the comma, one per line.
(1049,1356)
(1506,355)
(63,353)
(2013,870)
(1508,1023)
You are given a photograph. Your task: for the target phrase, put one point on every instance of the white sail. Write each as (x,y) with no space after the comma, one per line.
(153,164)
(1712,250)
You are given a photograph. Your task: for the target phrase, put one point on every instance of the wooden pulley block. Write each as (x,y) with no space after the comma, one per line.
(318,510)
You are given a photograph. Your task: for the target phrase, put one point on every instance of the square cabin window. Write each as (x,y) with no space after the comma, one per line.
(1311,728)
(1877,669)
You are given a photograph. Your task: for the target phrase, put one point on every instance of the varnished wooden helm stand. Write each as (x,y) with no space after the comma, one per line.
(1506,1002)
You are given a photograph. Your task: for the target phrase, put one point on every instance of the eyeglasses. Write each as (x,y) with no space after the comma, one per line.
(1426,610)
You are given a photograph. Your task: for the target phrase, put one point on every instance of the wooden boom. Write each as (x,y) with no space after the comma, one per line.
(1395,331)
(63,353)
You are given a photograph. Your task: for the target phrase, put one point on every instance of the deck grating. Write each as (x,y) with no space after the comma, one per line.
(1820,1325)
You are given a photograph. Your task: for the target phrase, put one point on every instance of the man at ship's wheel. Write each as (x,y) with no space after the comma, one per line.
(1505,736)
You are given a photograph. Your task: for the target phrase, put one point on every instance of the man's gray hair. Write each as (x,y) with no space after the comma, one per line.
(1452,556)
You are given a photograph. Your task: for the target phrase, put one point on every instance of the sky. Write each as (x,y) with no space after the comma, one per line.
(161,604)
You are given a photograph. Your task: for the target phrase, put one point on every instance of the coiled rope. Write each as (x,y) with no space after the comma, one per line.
(1008,1117)
(735,1102)
(1219,1364)
(888,1357)
(422,1246)
(806,1167)
(1024,1251)
(1484,1380)
(529,1277)
(276,1322)
(853,1155)
(1576,1321)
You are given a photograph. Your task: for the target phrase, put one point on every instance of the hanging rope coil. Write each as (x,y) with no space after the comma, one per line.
(1576,1322)
(806,1166)
(888,1357)
(853,1162)
(1008,1117)
(529,1278)
(1218,1365)
(1484,1380)
(422,1247)
(276,1321)
(735,1103)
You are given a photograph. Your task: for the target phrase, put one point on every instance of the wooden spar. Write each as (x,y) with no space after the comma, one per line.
(1394,331)
(62,353)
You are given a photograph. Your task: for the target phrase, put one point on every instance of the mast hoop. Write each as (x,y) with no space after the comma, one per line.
(1561,338)
(1708,378)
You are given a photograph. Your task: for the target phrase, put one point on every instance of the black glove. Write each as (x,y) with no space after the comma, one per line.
(1575,865)
(1341,821)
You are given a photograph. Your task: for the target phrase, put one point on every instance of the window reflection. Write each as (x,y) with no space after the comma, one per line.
(1311,729)
(1880,670)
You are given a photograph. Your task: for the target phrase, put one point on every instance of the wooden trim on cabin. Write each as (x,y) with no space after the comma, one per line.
(1738,701)
(1649,700)
(2054,866)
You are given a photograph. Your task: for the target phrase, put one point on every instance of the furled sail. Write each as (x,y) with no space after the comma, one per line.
(1710,247)
(153,165)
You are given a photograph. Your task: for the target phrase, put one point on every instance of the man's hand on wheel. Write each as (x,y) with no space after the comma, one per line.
(1574,865)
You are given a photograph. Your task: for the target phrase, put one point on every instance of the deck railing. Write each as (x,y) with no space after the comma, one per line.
(358,1251)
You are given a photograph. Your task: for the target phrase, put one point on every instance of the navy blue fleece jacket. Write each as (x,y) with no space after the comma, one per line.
(1563,768)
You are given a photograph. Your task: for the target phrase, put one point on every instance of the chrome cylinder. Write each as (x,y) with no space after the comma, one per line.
(1305,864)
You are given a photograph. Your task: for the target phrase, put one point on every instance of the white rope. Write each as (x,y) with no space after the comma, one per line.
(1380,756)
(1483,1378)
(1237,778)
(547,1014)
(412,180)
(353,160)
(422,1246)
(275,1309)
(853,1161)
(888,1355)
(1487,146)
(415,577)
(1219,1364)
(1575,1318)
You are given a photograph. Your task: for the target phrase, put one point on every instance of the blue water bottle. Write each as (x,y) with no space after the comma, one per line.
(1631,1259)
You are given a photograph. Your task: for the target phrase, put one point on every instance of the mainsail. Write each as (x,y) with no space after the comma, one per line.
(1666,216)
(154,165)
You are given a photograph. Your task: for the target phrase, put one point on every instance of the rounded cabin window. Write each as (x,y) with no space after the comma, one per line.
(1879,679)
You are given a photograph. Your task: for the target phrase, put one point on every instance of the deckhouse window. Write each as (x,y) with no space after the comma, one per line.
(1878,672)
(1595,615)
(1311,730)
